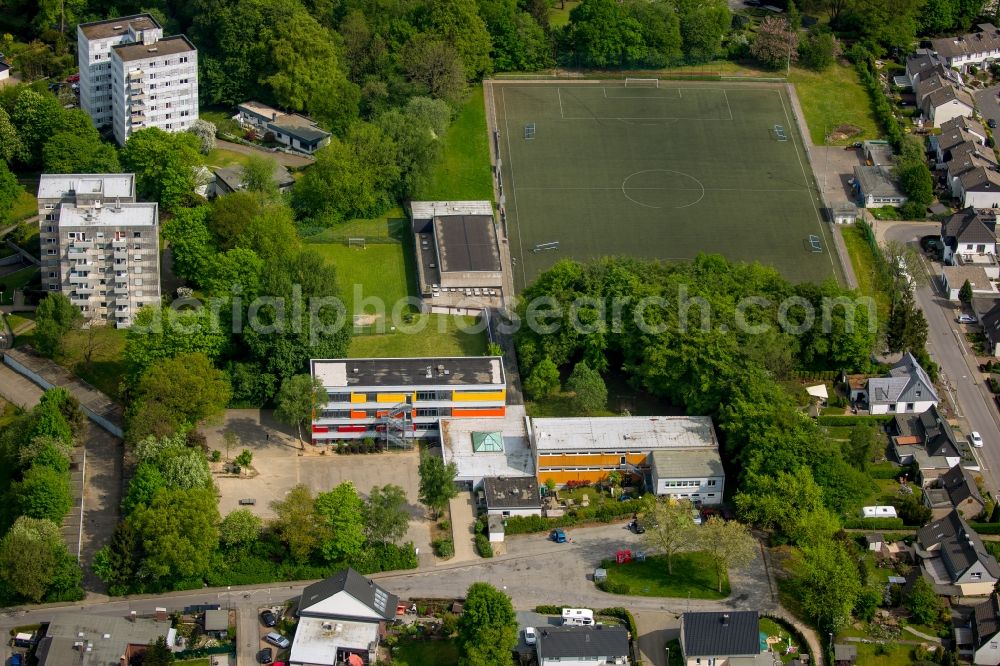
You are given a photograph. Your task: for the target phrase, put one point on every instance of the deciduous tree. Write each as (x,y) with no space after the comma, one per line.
(43,492)
(35,565)
(436,65)
(179,532)
(159,333)
(828,584)
(775,43)
(258,175)
(71,152)
(727,545)
(437,482)
(187,385)
(239,528)
(385,516)
(10,190)
(543,381)
(298,524)
(298,399)
(669,526)
(588,387)
(487,628)
(54,318)
(163,164)
(343,512)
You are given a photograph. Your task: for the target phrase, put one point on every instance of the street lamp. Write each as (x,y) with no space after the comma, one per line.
(668,656)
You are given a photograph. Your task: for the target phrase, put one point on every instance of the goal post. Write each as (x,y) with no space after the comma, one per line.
(356,242)
(631,82)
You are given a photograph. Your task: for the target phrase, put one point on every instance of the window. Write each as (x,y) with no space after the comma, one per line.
(53,287)
(52,274)
(711,482)
(975,575)
(138,281)
(50,251)
(621,460)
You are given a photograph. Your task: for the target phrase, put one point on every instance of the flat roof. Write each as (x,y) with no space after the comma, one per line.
(108,185)
(108,638)
(126,214)
(623,433)
(299,126)
(428,210)
(512,492)
(317,639)
(402,372)
(974,273)
(467,243)
(260,109)
(117,26)
(163,47)
(515,460)
(675,463)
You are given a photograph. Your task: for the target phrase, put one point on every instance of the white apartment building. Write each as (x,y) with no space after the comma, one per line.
(131,77)
(99,246)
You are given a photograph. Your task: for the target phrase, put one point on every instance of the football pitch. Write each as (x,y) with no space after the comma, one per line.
(661,171)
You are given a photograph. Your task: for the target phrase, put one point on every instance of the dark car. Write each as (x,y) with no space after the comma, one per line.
(991,123)
(637,527)
(265,656)
(268,619)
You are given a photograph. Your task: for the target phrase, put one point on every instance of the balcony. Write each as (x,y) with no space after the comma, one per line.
(119,242)
(79,299)
(121,254)
(121,289)
(135,76)
(78,278)
(122,301)
(84,289)
(82,243)
(78,251)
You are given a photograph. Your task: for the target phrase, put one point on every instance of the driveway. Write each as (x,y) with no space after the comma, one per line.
(280,463)
(947,345)
(986,103)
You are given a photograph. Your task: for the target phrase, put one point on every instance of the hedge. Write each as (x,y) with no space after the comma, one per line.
(605,513)
(483,546)
(622,614)
(831,420)
(800,640)
(986,528)
(549,609)
(874,524)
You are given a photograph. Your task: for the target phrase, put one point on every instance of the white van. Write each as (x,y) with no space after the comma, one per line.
(578,617)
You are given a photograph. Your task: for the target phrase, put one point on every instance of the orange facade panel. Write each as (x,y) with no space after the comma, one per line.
(588,460)
(493,411)
(561,478)
(358,414)
(394,398)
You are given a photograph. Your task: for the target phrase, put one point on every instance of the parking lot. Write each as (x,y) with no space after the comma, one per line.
(280,463)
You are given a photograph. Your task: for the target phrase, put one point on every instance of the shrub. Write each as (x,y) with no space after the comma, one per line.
(549,609)
(986,528)
(622,614)
(483,546)
(384,557)
(831,420)
(613,587)
(443,547)
(216,455)
(445,525)
(874,524)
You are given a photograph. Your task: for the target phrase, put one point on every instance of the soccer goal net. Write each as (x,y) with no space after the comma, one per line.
(356,242)
(641,83)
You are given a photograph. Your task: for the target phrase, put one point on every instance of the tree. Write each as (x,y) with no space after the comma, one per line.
(435,65)
(591,394)
(727,544)
(244,459)
(205,131)
(11,148)
(191,244)
(965,293)
(258,175)
(298,524)
(37,117)
(145,484)
(343,512)
(862,447)
(385,516)
(187,386)
(35,564)
(913,512)
(669,526)
(179,533)
(69,152)
(160,333)
(158,653)
(818,50)
(54,317)
(775,43)
(828,584)
(458,22)
(298,399)
(437,482)
(10,190)
(543,381)
(487,627)
(45,451)
(704,23)
(923,602)
(239,529)
(43,493)
(163,164)
(602,34)
(334,104)
(907,326)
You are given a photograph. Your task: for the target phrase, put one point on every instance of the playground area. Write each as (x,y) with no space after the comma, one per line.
(656,169)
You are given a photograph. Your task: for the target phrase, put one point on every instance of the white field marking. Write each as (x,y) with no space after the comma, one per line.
(513,188)
(558,92)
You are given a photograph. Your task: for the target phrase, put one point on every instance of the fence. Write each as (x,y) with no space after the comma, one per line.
(884,273)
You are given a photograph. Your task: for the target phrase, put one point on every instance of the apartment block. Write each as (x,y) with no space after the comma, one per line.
(98,244)
(364,393)
(132,77)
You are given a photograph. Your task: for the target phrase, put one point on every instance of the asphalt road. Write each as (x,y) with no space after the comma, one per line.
(947,345)
(987,103)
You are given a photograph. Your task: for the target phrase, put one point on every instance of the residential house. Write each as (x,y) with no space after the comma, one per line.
(955,132)
(85,638)
(980,640)
(969,234)
(963,158)
(980,187)
(954,559)
(970,48)
(294,130)
(907,388)
(721,638)
(230,179)
(927,440)
(368,396)
(339,618)
(979,276)
(990,321)
(955,490)
(512,496)
(582,646)
(924,63)
(877,186)
(944,102)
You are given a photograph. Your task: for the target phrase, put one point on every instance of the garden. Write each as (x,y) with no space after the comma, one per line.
(693,577)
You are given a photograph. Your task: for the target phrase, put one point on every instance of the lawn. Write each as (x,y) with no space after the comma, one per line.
(106,367)
(894,655)
(559,14)
(694,577)
(425,653)
(26,205)
(464,170)
(834,97)
(220,157)
(194,662)
(374,276)
(440,336)
(863,262)
(17,281)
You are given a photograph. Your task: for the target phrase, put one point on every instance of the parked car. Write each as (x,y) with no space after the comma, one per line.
(559,536)
(696,516)
(636,527)
(976,439)
(966,319)
(268,619)
(265,656)
(276,639)
(530,636)
(991,123)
